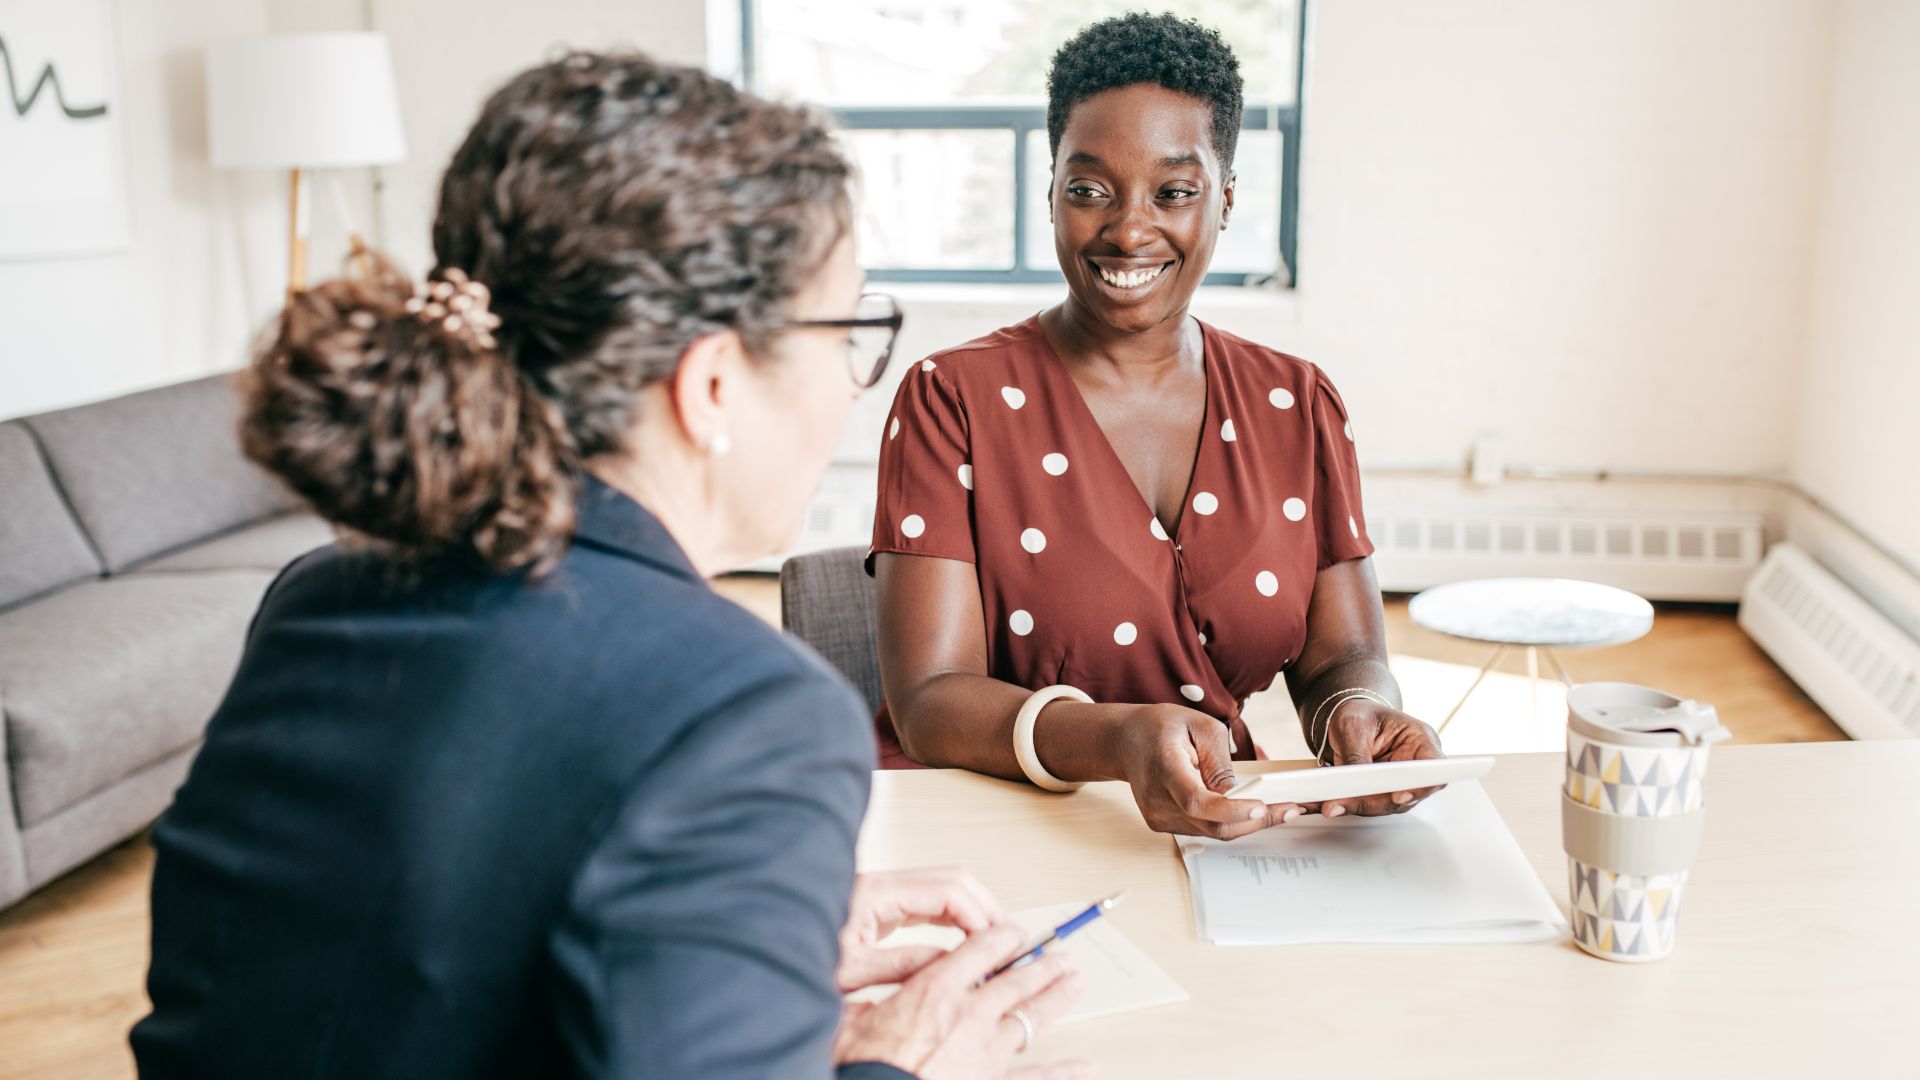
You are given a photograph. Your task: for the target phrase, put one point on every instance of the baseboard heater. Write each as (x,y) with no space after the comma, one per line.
(1658,556)
(1852,660)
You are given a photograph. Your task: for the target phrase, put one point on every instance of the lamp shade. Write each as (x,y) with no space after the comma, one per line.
(303,101)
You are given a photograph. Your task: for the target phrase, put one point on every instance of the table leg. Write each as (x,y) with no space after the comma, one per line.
(1533,683)
(1555,661)
(1498,652)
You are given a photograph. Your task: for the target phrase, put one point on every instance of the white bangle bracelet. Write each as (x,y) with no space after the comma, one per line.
(1023,736)
(1331,705)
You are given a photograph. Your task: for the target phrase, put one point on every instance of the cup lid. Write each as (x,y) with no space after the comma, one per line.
(1639,716)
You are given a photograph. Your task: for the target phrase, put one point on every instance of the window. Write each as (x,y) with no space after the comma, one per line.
(944,106)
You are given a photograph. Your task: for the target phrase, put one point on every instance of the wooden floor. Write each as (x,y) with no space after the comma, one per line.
(72,957)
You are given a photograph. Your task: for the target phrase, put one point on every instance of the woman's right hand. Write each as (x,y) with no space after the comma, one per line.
(1179,763)
(945,1024)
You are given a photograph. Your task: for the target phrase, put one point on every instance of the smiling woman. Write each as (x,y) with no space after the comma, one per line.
(1154,517)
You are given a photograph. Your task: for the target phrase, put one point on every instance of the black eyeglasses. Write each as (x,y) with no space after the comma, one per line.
(870,335)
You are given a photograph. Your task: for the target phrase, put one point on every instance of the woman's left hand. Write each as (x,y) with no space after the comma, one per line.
(1364,731)
(885,902)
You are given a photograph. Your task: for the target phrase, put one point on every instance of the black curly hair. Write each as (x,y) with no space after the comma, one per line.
(1166,50)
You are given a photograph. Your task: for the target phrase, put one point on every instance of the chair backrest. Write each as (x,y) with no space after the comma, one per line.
(826,600)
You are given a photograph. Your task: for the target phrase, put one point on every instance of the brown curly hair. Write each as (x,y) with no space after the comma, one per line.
(617,209)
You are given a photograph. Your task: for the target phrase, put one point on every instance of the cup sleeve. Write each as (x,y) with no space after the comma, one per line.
(924,503)
(1340,523)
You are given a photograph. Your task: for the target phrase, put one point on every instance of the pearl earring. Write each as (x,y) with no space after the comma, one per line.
(719,445)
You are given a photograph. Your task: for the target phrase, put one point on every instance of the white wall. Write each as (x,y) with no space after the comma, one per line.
(1857,443)
(206,255)
(1582,226)
(449,56)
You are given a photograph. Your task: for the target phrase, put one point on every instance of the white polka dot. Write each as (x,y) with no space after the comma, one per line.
(1125,633)
(1192,692)
(1226,431)
(1055,464)
(1353,527)
(1158,530)
(894,431)
(966,477)
(1349,430)
(1013,396)
(926,365)
(913,525)
(1266,583)
(1034,540)
(1205,503)
(1020,622)
(1203,637)
(1295,509)
(1281,398)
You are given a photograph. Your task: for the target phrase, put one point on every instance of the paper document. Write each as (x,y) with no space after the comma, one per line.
(1447,871)
(1118,976)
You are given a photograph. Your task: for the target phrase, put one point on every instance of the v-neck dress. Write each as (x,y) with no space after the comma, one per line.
(992,456)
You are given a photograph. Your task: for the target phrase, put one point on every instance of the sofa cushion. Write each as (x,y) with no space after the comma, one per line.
(270,545)
(157,470)
(104,678)
(41,546)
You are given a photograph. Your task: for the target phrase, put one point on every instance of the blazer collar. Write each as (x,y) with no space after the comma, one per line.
(612,522)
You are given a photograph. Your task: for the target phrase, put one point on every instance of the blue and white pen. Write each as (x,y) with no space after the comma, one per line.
(1099,908)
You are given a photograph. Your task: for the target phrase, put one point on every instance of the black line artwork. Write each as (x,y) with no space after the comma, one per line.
(48,77)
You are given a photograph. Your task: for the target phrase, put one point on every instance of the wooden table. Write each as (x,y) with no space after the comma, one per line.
(1798,953)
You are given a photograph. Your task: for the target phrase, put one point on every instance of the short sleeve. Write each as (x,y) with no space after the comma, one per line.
(924,504)
(1340,524)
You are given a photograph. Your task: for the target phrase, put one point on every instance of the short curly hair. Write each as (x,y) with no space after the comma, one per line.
(1166,50)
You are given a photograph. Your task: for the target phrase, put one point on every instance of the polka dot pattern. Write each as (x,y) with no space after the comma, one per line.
(1204,628)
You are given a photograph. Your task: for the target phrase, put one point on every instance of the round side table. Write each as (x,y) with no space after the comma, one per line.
(1537,614)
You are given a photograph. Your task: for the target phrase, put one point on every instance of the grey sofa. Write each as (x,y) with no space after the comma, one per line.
(135,543)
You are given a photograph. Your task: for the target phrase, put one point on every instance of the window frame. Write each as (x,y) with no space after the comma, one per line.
(1019,121)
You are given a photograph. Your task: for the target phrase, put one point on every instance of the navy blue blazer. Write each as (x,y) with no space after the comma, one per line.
(454,824)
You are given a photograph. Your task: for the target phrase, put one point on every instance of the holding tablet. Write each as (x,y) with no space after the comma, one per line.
(1355,781)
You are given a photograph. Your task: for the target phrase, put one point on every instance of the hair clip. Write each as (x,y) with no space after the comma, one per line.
(459,304)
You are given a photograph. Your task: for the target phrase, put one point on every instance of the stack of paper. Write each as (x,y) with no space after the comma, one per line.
(1118,977)
(1446,871)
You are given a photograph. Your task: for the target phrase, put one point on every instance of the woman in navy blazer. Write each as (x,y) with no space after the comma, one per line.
(501,787)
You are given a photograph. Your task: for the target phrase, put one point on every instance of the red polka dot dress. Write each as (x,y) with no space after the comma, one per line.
(991,456)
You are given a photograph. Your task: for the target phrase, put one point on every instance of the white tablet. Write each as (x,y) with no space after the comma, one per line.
(1353,781)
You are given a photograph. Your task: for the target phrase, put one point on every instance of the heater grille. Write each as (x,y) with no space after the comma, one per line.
(1848,657)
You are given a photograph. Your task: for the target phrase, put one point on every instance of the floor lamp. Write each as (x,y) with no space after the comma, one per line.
(302,102)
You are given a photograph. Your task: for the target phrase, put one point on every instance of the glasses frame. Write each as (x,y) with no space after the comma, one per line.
(869,379)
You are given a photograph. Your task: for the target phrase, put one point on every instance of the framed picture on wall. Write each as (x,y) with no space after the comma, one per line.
(63,184)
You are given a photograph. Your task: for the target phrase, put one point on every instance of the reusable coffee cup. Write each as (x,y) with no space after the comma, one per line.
(1631,813)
